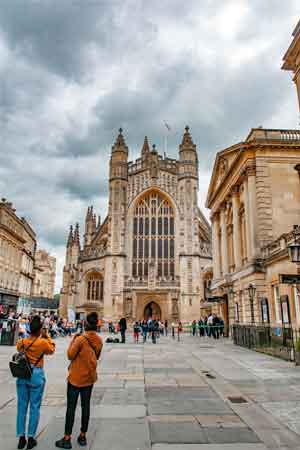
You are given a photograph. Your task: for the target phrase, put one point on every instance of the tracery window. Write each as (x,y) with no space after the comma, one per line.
(153,237)
(95,287)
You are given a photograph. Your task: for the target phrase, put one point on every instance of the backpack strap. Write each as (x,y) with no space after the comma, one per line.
(91,345)
(27,348)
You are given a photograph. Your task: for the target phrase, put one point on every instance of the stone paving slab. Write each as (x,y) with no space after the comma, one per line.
(183,433)
(231,435)
(122,435)
(189,407)
(119,412)
(239,446)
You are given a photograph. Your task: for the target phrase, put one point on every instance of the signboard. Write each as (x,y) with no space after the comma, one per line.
(265,310)
(289,279)
(214,299)
(285,309)
(71,315)
(24,306)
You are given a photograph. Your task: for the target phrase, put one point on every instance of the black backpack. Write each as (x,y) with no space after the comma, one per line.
(20,366)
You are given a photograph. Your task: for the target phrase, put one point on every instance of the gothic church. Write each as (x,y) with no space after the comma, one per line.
(146,257)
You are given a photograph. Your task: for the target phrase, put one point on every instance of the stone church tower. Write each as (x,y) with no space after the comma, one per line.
(147,256)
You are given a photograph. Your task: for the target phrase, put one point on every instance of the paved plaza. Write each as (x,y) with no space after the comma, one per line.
(197,394)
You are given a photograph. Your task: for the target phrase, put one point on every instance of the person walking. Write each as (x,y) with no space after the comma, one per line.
(83,352)
(30,391)
(136,332)
(123,328)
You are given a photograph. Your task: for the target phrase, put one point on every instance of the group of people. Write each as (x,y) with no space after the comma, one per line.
(83,352)
(211,326)
(151,328)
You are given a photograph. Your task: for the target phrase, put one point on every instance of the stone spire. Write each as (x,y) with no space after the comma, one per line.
(145,148)
(120,144)
(187,141)
(70,237)
(99,222)
(76,240)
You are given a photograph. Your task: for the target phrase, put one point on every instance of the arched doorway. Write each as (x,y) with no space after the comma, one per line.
(152,309)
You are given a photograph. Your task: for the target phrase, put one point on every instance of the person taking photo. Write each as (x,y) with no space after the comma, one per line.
(30,391)
(83,352)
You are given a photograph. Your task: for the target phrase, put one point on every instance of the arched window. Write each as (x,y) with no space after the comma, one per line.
(95,287)
(153,237)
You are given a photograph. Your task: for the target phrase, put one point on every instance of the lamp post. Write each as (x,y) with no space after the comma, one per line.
(251,292)
(294,250)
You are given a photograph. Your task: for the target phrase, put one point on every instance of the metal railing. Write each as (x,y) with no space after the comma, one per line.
(275,341)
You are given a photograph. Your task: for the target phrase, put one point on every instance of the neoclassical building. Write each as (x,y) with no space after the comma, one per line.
(292,59)
(44,275)
(147,256)
(254,198)
(17,257)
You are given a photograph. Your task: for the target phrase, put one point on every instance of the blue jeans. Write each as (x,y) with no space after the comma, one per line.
(30,392)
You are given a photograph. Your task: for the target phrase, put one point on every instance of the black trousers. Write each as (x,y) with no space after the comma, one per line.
(123,336)
(72,398)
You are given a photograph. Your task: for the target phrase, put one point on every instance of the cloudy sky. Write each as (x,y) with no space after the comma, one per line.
(73,71)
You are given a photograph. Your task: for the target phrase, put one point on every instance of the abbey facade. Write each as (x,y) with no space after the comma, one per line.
(147,256)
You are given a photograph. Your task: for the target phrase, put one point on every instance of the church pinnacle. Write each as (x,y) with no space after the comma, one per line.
(145,148)
(187,140)
(120,144)
(70,237)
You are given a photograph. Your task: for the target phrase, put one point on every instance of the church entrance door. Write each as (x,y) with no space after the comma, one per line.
(153,310)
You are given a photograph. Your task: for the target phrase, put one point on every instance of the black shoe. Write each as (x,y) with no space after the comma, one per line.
(31,443)
(82,441)
(63,443)
(22,442)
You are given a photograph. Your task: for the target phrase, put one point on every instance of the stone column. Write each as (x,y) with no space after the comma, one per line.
(224,244)
(216,246)
(236,228)
(246,204)
(252,210)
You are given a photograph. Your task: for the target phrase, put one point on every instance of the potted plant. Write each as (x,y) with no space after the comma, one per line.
(297,352)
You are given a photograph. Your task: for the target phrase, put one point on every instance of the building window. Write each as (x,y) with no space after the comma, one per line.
(95,287)
(277,305)
(236,312)
(154,238)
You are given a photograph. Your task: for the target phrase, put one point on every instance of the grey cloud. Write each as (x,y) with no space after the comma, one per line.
(72,72)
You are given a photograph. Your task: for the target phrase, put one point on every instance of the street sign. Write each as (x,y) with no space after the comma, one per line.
(289,279)
(214,299)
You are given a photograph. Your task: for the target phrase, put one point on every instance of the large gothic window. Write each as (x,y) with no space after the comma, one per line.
(95,287)
(153,237)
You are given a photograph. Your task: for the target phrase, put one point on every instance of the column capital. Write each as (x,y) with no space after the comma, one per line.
(223,206)
(235,190)
(297,168)
(250,170)
(214,216)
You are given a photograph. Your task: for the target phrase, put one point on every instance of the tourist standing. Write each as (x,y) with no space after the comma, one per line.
(136,332)
(144,327)
(84,352)
(30,391)
(166,327)
(123,328)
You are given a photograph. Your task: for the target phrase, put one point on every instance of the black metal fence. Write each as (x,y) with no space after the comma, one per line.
(275,341)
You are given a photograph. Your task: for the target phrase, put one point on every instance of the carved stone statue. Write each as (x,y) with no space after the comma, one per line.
(175,307)
(128,307)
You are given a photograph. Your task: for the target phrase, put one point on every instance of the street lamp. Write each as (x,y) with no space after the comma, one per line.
(251,292)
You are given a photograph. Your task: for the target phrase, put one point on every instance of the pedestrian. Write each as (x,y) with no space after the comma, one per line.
(123,328)
(83,352)
(144,327)
(154,330)
(194,327)
(136,332)
(30,391)
(166,327)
